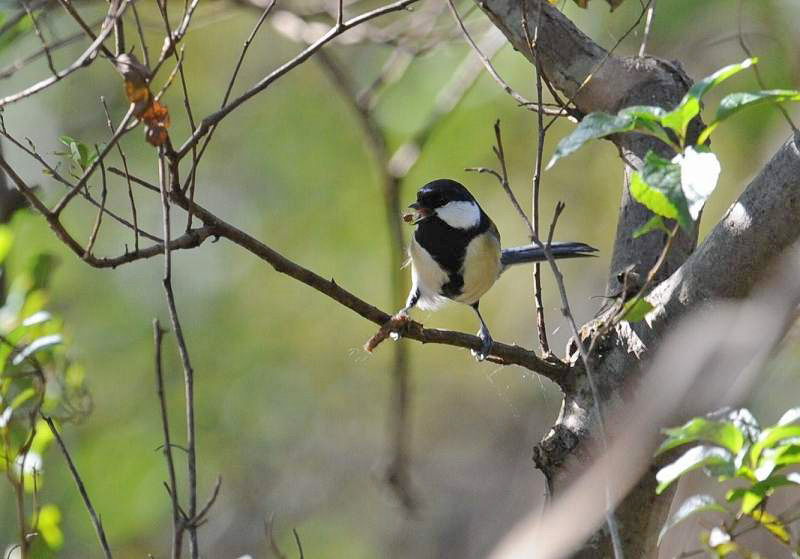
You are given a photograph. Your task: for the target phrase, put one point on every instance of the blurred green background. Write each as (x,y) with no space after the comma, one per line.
(291,413)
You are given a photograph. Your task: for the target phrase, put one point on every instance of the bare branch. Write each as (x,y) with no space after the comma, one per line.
(83,60)
(188,370)
(282,70)
(45,46)
(177,519)
(96,522)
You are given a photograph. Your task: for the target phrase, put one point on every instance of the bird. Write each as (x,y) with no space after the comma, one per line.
(455,252)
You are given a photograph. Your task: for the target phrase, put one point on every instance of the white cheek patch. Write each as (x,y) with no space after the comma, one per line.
(460,215)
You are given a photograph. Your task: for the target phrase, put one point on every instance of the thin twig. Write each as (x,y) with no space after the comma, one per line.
(648,22)
(600,63)
(177,522)
(188,371)
(140,31)
(122,129)
(541,326)
(83,60)
(55,175)
(38,31)
(99,218)
(111,23)
(98,525)
(486,62)
(196,157)
(11,21)
(134,212)
(15,67)
(266,81)
(757,72)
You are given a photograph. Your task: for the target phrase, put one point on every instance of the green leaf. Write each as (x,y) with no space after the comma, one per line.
(754,495)
(776,458)
(36,346)
(769,437)
(6,241)
(48,526)
(636,309)
(692,459)
(79,152)
(735,102)
(678,119)
(658,187)
(593,126)
(693,505)
(23,25)
(699,174)
(22,397)
(699,429)
(655,223)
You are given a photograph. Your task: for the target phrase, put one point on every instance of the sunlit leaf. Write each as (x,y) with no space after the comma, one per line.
(37,318)
(699,429)
(658,187)
(693,505)
(6,240)
(678,119)
(777,457)
(636,309)
(790,416)
(593,126)
(753,496)
(699,174)
(48,526)
(773,524)
(692,459)
(5,417)
(43,437)
(735,102)
(36,346)
(770,436)
(718,536)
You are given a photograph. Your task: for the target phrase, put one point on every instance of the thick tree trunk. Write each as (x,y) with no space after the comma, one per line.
(737,252)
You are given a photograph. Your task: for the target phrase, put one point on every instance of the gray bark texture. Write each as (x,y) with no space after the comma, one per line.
(734,256)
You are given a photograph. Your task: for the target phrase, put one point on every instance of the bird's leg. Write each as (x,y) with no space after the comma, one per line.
(411,302)
(484,335)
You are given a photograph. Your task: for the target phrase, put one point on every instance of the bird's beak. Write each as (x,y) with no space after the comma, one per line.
(418,214)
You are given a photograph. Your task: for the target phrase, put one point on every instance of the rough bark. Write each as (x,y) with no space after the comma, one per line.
(728,263)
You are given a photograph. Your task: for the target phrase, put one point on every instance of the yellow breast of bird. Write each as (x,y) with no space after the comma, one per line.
(481,267)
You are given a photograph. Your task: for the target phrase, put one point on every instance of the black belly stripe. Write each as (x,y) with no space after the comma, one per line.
(448,247)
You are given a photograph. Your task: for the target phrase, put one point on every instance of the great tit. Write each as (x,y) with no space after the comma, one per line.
(455,252)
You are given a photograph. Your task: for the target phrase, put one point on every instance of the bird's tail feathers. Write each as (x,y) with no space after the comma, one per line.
(535,253)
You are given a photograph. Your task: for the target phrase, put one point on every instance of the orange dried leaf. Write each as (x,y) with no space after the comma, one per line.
(156,135)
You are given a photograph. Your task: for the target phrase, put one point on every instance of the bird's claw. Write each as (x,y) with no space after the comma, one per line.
(486,346)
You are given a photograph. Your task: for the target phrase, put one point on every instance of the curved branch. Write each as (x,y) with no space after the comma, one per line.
(261,85)
(505,354)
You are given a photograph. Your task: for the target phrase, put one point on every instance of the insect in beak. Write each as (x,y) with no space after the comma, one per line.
(419,214)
